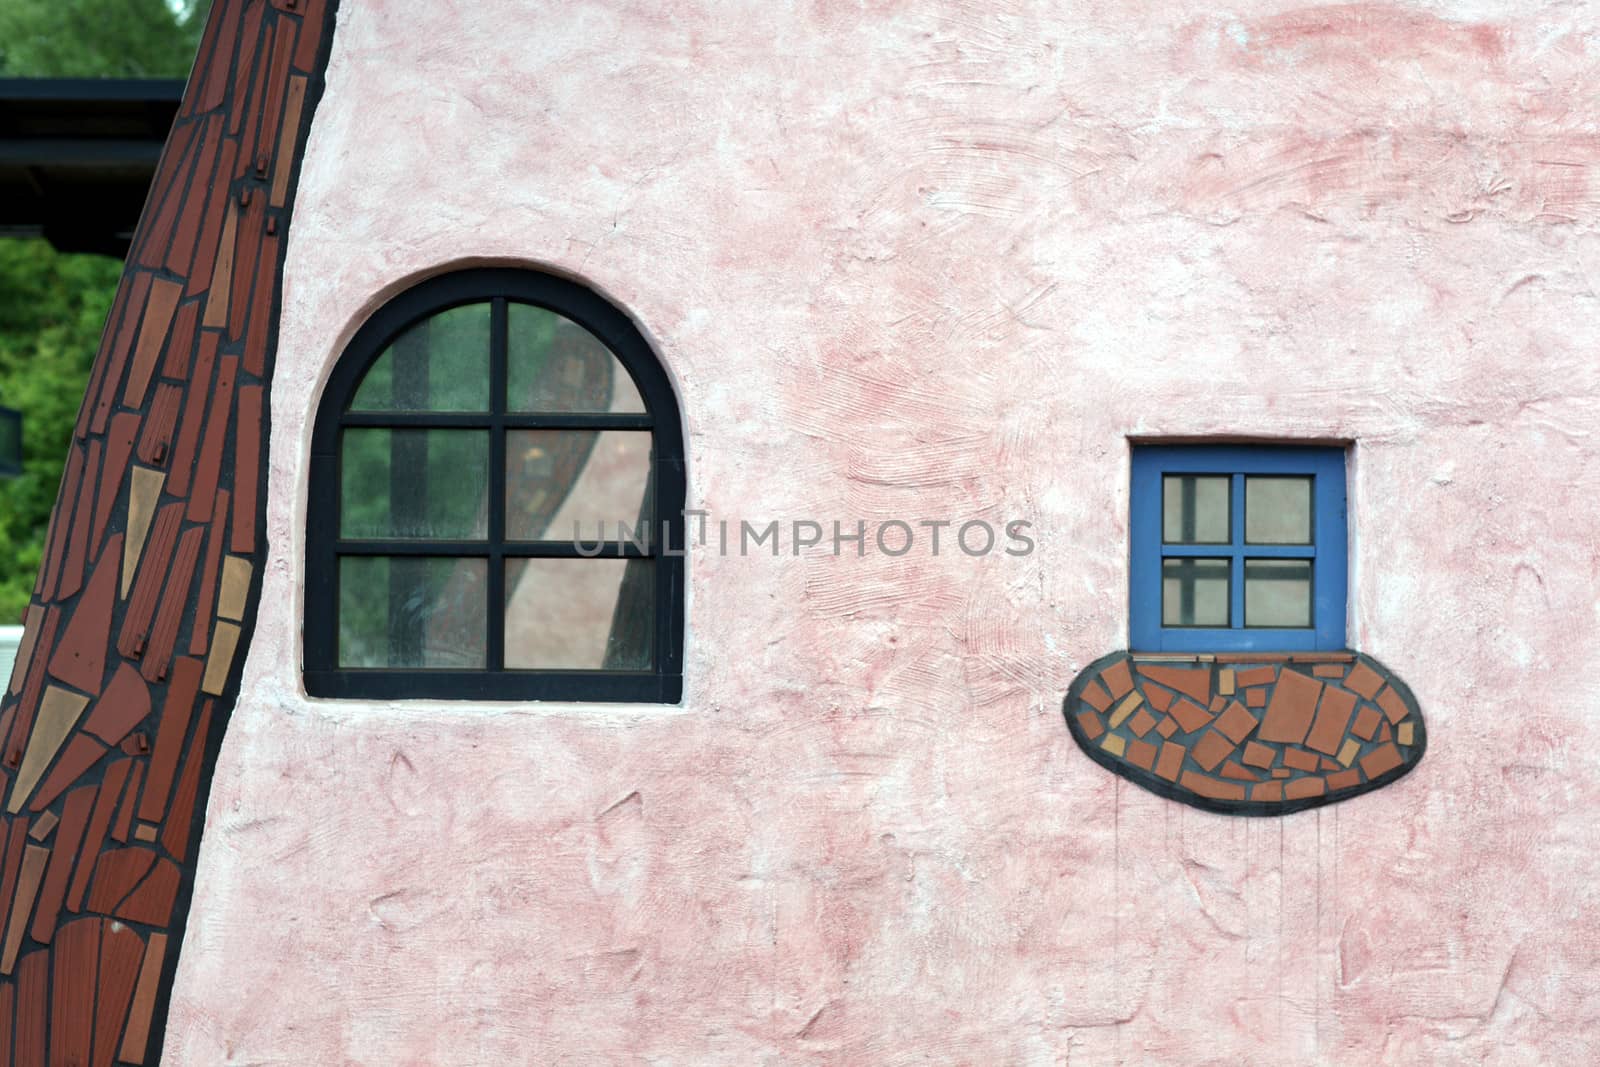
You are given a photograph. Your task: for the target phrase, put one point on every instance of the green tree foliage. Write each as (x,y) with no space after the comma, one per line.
(53,307)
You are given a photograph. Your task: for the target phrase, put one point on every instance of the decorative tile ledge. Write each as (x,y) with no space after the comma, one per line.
(1248,733)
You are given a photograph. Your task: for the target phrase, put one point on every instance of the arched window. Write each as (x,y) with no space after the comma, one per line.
(496,507)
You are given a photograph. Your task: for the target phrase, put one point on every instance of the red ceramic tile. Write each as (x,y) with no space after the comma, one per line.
(130,800)
(1089,722)
(1256,676)
(176,713)
(1380,761)
(1383,731)
(120,350)
(1281,772)
(186,234)
(1159,698)
(152,901)
(119,447)
(1236,722)
(1329,765)
(1364,680)
(1328,670)
(33,1008)
(116,874)
(155,442)
(1233,770)
(1141,754)
(77,975)
(1392,705)
(1366,723)
(1256,697)
(61,521)
(1300,759)
(94,837)
(80,754)
(1141,723)
(1206,786)
(1259,755)
(251,225)
(80,658)
(1190,716)
(1217,704)
(1094,694)
(212,221)
(124,706)
(158,314)
(78,538)
(15,837)
(305,51)
(1117,679)
(1294,701)
(136,1038)
(208,463)
(1343,780)
(1333,716)
(200,632)
(121,952)
(28,706)
(1166,727)
(1301,788)
(166,195)
(150,573)
(1267,791)
(1211,749)
(193,419)
(174,601)
(1194,683)
(252,52)
(53,890)
(1170,760)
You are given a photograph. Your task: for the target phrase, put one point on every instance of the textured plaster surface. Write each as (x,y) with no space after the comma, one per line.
(927,260)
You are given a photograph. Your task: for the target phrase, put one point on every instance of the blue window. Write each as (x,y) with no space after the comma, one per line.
(1237,547)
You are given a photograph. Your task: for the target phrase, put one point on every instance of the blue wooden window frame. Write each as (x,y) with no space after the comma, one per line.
(1327,552)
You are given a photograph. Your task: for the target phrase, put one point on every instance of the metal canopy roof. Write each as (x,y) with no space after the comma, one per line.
(77,157)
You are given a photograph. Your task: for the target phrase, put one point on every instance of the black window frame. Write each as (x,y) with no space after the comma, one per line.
(663,682)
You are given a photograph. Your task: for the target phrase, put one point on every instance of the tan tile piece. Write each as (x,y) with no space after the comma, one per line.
(1129,705)
(1347,754)
(1225,679)
(33,862)
(144,489)
(288,130)
(137,1036)
(1406,734)
(222,269)
(43,825)
(235,588)
(1115,744)
(58,714)
(223,642)
(146,832)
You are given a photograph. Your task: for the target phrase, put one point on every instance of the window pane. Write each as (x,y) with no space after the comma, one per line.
(1277,511)
(439,364)
(413,483)
(1277,593)
(566,485)
(1194,509)
(412,612)
(557,365)
(1194,592)
(574,614)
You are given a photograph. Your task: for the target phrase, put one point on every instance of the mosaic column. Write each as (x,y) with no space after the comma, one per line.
(147,595)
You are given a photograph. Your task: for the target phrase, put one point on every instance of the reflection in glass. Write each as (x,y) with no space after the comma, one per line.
(565,485)
(1277,593)
(580,614)
(1277,511)
(413,483)
(397,611)
(1194,592)
(439,364)
(1194,509)
(555,365)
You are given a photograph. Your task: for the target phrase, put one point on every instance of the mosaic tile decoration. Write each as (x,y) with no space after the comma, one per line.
(1249,734)
(129,664)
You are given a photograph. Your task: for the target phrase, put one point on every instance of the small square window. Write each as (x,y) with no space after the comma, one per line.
(1237,548)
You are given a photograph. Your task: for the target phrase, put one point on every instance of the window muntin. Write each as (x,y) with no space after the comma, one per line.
(1237,548)
(471,423)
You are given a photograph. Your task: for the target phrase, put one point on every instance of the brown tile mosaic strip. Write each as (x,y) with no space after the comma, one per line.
(108,732)
(1312,729)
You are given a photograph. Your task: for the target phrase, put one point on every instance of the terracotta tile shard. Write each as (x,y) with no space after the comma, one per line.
(1343,780)
(1170,761)
(193,420)
(1364,680)
(119,448)
(1192,682)
(58,714)
(180,254)
(181,350)
(150,580)
(1300,759)
(1347,754)
(1328,670)
(200,635)
(1329,764)
(1217,704)
(1281,772)
(115,876)
(33,1007)
(1089,723)
(1294,701)
(1406,734)
(80,657)
(14,838)
(155,441)
(174,599)
(1141,754)
(1259,755)
(1255,698)
(119,351)
(137,1036)
(120,954)
(1333,717)
(94,838)
(245,261)
(130,799)
(1190,716)
(1230,769)
(124,705)
(8,995)
(222,273)
(152,902)
(286,139)
(1117,678)
(1160,699)
(1125,709)
(1383,731)
(61,522)
(208,465)
(1301,788)
(28,707)
(1236,722)
(1257,676)
(78,538)
(1094,694)
(136,744)
(1366,723)
(1392,705)
(1323,657)
(1267,791)
(74,819)
(305,51)
(146,832)
(223,641)
(1115,744)
(176,713)
(1380,761)
(1141,723)
(33,861)
(1210,787)
(143,492)
(1166,727)
(236,588)
(30,636)
(152,335)
(1225,681)
(1211,749)
(81,754)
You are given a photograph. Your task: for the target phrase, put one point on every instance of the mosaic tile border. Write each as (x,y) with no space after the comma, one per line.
(1248,734)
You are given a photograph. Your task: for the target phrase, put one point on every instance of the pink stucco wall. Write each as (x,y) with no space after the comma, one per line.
(941,260)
